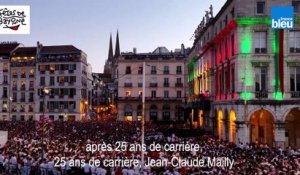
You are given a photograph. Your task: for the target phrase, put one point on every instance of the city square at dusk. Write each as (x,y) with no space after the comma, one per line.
(150,87)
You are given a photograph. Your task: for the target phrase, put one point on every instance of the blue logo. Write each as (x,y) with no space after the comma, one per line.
(282,17)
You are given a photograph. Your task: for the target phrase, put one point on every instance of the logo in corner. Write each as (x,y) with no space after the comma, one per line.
(14,19)
(282,17)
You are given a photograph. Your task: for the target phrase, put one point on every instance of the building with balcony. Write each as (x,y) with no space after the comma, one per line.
(62,69)
(164,85)
(6,49)
(22,66)
(249,73)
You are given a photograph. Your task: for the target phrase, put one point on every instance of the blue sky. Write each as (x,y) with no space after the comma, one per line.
(86,24)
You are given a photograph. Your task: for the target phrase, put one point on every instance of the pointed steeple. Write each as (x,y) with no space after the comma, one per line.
(110,50)
(117,50)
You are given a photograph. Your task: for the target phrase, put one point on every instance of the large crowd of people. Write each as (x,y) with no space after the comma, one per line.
(32,150)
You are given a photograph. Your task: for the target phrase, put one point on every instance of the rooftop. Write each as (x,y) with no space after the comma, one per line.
(7,48)
(59,49)
(25,50)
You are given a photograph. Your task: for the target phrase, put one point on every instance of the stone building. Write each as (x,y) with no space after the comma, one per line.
(164,87)
(249,73)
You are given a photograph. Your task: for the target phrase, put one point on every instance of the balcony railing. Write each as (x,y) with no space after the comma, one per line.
(140,84)
(5,70)
(178,85)
(295,94)
(153,84)
(166,84)
(4,82)
(166,71)
(153,71)
(14,88)
(127,84)
(31,76)
(15,76)
(178,72)
(23,100)
(261,94)
(23,88)
(23,76)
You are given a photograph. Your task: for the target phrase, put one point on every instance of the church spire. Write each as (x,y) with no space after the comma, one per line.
(117,50)
(110,50)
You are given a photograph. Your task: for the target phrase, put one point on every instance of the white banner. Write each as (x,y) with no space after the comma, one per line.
(3,138)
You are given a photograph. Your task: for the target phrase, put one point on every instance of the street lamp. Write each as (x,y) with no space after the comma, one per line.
(10,101)
(87,108)
(46,91)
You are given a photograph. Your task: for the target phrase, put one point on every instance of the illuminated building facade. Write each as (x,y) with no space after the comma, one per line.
(6,49)
(249,73)
(22,75)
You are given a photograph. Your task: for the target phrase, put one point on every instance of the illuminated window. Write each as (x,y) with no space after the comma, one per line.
(61,79)
(140,93)
(42,68)
(15,72)
(23,73)
(23,85)
(52,67)
(128,93)
(31,72)
(4,106)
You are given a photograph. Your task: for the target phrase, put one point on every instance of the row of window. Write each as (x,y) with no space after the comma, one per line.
(59,79)
(22,72)
(23,97)
(261,7)
(153,80)
(71,92)
(153,94)
(23,85)
(52,106)
(260,82)
(56,67)
(154,70)
(153,112)
(260,42)
(14,108)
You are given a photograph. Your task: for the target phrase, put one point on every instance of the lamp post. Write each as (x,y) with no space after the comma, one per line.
(45,92)
(87,108)
(10,101)
(143,114)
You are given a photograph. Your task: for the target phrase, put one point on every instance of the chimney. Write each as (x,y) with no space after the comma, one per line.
(182,49)
(134,50)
